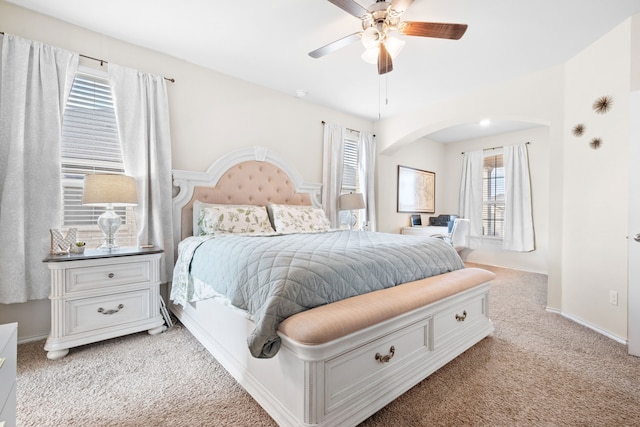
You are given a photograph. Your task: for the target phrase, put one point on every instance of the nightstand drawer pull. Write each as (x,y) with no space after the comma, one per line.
(111,275)
(103,311)
(461,318)
(385,359)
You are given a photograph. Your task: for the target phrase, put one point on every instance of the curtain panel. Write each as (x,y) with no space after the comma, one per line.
(470,201)
(366,171)
(518,219)
(142,111)
(332,166)
(35,81)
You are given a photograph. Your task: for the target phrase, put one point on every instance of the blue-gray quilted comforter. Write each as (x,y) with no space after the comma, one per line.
(273,277)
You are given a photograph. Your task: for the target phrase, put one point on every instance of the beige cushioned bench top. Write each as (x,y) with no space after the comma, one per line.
(328,322)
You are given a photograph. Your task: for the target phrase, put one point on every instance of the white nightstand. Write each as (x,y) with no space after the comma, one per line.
(100,295)
(8,363)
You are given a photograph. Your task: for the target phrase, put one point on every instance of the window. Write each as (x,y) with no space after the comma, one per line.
(350,160)
(90,144)
(493,196)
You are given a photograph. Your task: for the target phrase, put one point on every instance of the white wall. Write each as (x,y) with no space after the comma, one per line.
(596,184)
(211,114)
(422,154)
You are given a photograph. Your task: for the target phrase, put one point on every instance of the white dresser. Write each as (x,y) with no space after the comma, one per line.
(100,295)
(8,362)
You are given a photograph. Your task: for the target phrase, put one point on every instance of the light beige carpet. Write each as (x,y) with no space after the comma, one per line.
(537,369)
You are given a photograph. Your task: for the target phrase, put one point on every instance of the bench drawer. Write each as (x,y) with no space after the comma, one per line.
(453,321)
(350,375)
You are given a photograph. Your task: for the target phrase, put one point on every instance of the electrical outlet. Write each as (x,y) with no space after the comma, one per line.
(613,297)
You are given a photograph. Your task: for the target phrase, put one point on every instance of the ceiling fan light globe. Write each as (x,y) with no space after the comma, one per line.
(394,46)
(371,38)
(370,56)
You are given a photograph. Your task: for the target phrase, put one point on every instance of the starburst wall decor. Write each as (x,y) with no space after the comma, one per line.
(578,130)
(602,105)
(595,143)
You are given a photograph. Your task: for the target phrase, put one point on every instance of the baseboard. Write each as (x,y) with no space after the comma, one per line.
(25,340)
(588,325)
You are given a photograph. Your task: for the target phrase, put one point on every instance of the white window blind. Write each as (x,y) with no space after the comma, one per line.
(350,171)
(493,196)
(350,166)
(90,144)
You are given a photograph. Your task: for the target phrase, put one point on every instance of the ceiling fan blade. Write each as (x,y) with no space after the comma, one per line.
(385,64)
(432,29)
(400,6)
(350,6)
(333,46)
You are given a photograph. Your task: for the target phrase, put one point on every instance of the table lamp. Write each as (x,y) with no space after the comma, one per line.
(107,191)
(350,202)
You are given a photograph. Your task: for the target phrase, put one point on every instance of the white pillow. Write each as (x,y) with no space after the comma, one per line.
(216,219)
(298,219)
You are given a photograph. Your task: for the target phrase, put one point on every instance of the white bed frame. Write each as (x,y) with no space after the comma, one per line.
(344,381)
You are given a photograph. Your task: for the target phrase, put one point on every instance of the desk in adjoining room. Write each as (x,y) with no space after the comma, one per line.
(425,230)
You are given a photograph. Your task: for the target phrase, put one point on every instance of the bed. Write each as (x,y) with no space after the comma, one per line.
(335,363)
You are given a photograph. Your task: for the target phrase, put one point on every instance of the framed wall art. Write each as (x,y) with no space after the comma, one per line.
(416,190)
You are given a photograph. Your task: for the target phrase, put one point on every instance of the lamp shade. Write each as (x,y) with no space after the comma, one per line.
(351,201)
(114,190)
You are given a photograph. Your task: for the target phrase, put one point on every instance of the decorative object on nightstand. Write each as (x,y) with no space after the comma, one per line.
(78,247)
(350,202)
(8,363)
(100,295)
(107,191)
(61,244)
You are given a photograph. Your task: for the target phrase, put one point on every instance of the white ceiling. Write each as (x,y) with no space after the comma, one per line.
(267,42)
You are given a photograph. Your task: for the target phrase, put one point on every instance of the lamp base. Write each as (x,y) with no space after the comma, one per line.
(109,222)
(351,220)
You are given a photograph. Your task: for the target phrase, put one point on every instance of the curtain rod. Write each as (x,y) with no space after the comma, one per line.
(102,62)
(495,148)
(352,130)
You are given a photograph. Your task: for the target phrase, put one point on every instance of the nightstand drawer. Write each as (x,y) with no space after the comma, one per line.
(8,412)
(90,314)
(7,373)
(8,362)
(102,276)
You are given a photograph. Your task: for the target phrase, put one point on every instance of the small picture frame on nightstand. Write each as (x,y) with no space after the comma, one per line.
(416,220)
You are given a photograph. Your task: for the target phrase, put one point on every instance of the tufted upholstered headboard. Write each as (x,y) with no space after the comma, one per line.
(249,176)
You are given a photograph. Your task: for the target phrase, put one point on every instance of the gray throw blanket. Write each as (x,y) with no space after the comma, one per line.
(274,277)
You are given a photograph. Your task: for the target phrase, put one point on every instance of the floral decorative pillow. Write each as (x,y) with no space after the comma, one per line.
(298,219)
(216,219)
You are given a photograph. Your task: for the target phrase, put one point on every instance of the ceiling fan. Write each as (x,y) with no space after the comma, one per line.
(378,21)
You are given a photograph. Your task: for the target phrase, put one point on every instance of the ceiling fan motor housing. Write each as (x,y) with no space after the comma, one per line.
(381,16)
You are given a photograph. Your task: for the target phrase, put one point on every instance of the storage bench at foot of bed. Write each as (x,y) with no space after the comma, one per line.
(415,331)
(342,362)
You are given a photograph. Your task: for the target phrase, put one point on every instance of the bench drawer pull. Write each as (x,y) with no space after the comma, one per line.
(461,318)
(385,359)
